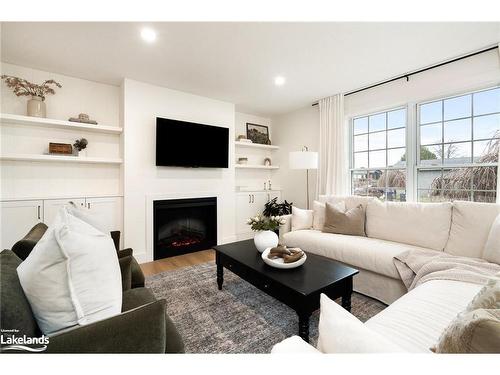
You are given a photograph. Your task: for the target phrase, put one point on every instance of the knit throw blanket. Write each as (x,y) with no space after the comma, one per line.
(418,266)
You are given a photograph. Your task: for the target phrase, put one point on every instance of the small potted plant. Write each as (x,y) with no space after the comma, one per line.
(79,145)
(273,208)
(265,227)
(22,87)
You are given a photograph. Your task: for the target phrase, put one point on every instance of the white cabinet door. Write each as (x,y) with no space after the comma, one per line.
(108,210)
(244,210)
(274,194)
(52,206)
(259,199)
(17,218)
(248,205)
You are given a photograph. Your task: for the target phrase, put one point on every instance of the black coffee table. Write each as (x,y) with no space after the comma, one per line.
(299,288)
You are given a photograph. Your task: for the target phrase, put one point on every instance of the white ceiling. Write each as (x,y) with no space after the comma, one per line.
(237,62)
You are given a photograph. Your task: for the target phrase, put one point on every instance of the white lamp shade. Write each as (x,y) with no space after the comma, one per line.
(303,160)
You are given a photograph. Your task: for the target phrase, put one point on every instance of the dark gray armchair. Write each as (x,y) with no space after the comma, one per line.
(142,327)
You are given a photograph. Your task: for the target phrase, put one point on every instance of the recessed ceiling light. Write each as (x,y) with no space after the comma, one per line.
(279,81)
(148,35)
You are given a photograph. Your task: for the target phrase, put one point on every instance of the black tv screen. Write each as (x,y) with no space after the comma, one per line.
(188,144)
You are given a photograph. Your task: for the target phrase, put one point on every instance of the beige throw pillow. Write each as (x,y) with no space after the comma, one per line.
(319,213)
(351,222)
(477,329)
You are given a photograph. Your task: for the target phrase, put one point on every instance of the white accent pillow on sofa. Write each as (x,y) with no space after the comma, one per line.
(72,276)
(342,332)
(470,227)
(319,213)
(418,224)
(301,219)
(492,248)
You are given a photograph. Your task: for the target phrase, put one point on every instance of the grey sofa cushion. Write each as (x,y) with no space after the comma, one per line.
(15,309)
(134,298)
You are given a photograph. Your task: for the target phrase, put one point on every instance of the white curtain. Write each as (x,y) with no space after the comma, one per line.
(333,167)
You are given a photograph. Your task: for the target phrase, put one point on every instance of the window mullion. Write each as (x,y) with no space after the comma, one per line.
(411,152)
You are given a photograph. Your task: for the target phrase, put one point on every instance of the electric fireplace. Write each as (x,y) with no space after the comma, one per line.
(184,225)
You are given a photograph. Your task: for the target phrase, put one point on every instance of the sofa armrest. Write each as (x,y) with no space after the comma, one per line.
(292,345)
(125,253)
(141,330)
(23,247)
(138,279)
(287,227)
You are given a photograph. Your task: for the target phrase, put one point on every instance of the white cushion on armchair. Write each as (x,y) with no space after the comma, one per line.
(342,332)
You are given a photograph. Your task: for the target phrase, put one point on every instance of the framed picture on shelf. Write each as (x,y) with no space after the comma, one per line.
(258,133)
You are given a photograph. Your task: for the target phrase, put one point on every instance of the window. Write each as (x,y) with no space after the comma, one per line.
(453,154)
(458,142)
(379,155)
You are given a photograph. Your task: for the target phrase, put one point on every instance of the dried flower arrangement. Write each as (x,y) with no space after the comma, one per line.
(22,87)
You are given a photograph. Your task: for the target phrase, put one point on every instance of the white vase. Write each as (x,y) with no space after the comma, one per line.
(264,239)
(36,107)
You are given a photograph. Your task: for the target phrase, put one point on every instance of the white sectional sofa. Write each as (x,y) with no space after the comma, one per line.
(459,228)
(414,320)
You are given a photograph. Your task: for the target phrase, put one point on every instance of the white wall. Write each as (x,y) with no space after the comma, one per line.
(22,179)
(291,132)
(301,127)
(470,74)
(143,181)
(100,101)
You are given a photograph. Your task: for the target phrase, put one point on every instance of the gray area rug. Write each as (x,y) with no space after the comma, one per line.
(239,318)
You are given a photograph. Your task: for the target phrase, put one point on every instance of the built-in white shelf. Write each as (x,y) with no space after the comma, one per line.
(256,145)
(48,197)
(60,158)
(249,166)
(6,118)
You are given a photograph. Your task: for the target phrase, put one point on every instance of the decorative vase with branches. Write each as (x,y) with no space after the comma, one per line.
(38,92)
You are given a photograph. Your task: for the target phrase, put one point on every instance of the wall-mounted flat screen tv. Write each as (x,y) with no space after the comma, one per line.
(189,144)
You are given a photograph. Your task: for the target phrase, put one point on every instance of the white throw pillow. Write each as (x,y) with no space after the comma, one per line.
(470,227)
(319,213)
(72,276)
(342,332)
(492,248)
(301,219)
(88,216)
(419,224)
(293,345)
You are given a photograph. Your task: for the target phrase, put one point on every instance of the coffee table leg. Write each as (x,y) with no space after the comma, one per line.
(304,326)
(220,276)
(346,302)
(346,297)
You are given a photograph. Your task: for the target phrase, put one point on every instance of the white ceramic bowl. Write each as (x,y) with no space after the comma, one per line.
(279,262)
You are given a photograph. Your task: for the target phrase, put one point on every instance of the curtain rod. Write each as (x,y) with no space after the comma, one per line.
(407,75)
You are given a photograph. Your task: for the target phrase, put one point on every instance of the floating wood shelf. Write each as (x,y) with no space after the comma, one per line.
(6,118)
(256,145)
(249,166)
(60,158)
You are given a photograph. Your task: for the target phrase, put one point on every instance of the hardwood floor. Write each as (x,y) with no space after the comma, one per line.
(168,264)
